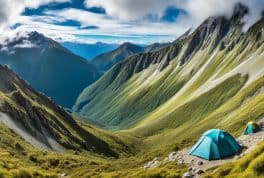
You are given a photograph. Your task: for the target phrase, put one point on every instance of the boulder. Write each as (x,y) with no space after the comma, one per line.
(155,164)
(148,165)
(200,163)
(64,175)
(187,175)
(156,159)
(172,156)
(237,157)
(152,164)
(199,171)
(180,161)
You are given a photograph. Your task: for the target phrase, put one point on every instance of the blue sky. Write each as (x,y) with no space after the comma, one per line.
(169,16)
(114,21)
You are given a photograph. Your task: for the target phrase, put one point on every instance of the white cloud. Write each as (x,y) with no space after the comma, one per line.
(10,14)
(133,9)
(9,11)
(197,10)
(36,3)
(86,18)
(122,18)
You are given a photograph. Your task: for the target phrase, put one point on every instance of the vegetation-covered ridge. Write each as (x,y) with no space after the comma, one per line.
(149,87)
(39,117)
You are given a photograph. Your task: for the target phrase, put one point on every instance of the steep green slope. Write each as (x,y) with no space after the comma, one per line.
(41,121)
(147,89)
(49,67)
(105,61)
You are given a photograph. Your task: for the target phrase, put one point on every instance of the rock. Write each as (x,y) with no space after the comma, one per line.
(64,175)
(180,161)
(187,175)
(237,157)
(152,164)
(166,160)
(199,171)
(190,169)
(155,164)
(200,163)
(148,165)
(156,159)
(172,156)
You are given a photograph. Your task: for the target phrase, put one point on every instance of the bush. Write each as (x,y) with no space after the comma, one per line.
(54,162)
(21,174)
(2,175)
(33,158)
(19,147)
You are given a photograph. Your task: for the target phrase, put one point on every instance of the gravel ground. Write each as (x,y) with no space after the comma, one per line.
(196,164)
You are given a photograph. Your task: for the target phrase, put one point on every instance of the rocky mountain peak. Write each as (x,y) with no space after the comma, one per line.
(129,46)
(240,10)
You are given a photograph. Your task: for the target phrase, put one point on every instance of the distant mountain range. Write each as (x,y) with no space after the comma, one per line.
(105,61)
(48,67)
(89,51)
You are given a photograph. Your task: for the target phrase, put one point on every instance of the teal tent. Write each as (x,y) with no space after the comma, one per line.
(251,128)
(215,144)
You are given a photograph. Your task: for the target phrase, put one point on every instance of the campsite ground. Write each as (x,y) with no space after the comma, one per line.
(249,142)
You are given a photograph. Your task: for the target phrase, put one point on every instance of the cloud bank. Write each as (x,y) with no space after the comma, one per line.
(196,10)
(123,20)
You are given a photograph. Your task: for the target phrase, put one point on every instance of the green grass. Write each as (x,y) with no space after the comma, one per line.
(251,165)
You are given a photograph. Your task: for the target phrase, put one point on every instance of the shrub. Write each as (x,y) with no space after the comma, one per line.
(22,173)
(18,147)
(54,162)
(33,158)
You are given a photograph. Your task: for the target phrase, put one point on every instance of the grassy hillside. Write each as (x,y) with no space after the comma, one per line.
(151,86)
(39,117)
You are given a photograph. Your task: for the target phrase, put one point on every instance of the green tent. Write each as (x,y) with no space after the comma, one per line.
(252,127)
(215,144)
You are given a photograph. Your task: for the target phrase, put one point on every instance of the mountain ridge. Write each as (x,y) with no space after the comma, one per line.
(42,118)
(216,37)
(49,67)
